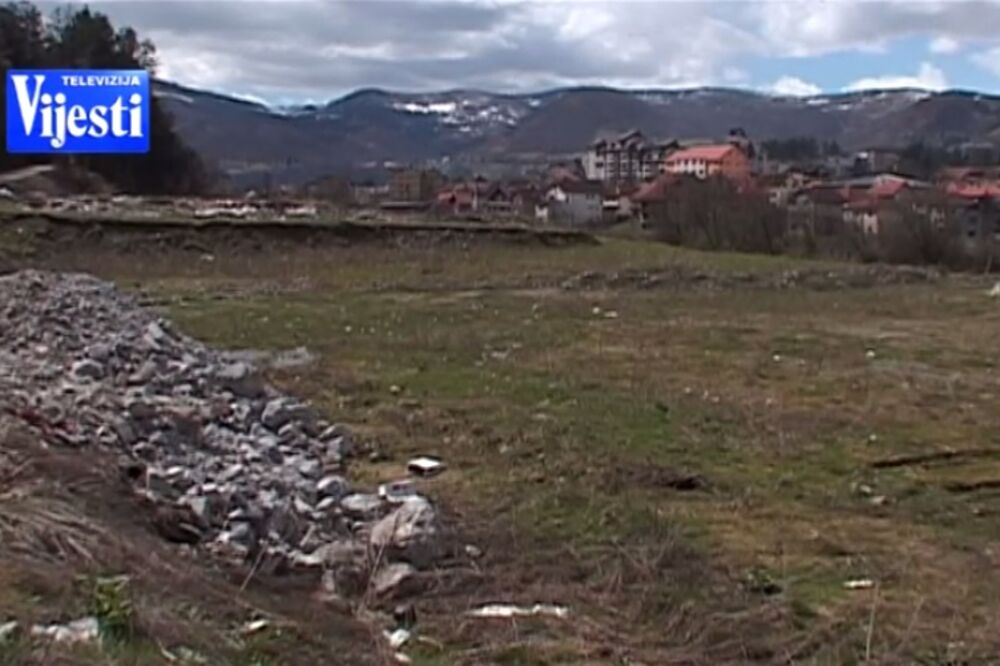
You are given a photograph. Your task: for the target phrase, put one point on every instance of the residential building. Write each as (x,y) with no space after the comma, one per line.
(628,157)
(368,193)
(725,160)
(866,203)
(411,185)
(574,203)
(875,160)
(780,187)
(337,189)
(977,208)
(653,194)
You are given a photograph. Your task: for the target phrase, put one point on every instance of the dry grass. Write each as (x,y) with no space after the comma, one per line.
(569,433)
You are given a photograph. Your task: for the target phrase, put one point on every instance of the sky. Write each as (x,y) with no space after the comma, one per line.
(298,51)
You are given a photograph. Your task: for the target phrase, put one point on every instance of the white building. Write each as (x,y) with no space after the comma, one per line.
(575,202)
(627,157)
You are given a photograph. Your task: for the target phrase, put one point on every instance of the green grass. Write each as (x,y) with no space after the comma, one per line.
(560,424)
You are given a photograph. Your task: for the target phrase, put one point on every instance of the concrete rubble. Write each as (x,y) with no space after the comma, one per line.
(230,464)
(84,630)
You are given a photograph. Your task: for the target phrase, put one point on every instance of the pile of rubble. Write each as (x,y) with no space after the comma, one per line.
(229,463)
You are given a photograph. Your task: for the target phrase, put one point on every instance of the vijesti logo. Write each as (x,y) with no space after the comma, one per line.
(77,111)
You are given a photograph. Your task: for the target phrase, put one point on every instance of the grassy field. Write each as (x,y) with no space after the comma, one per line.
(699,470)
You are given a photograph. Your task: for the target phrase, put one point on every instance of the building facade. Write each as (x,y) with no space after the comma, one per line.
(725,160)
(629,157)
(574,203)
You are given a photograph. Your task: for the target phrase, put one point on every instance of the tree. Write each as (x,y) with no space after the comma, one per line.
(713,214)
(81,38)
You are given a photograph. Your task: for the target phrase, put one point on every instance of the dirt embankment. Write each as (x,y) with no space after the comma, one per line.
(46,234)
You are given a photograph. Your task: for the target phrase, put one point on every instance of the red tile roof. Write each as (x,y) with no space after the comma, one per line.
(713,153)
(655,190)
(969,191)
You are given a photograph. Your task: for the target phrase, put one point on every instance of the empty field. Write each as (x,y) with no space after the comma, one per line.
(699,456)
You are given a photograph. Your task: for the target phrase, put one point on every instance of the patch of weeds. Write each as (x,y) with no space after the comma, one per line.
(760,581)
(269,647)
(519,655)
(14,650)
(109,600)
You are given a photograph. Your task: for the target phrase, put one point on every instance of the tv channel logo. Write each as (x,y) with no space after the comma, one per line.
(68,111)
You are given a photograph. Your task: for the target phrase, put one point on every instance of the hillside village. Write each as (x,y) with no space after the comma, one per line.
(629,177)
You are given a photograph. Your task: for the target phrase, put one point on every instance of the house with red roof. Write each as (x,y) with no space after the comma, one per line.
(977,207)
(725,160)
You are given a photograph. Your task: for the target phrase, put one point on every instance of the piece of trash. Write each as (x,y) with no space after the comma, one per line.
(395,389)
(995,291)
(255,626)
(84,630)
(870,354)
(872,438)
(611,314)
(776,358)
(425,466)
(860,584)
(402,658)
(7,630)
(398,638)
(474,552)
(510,610)
(397,491)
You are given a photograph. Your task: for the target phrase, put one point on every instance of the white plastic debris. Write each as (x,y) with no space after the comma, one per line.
(776,358)
(84,630)
(301,211)
(510,610)
(425,466)
(402,658)
(255,626)
(397,492)
(7,630)
(870,354)
(860,584)
(398,638)
(994,292)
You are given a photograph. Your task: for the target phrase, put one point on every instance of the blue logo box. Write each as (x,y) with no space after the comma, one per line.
(77,111)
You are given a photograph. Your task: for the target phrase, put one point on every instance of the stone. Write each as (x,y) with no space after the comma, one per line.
(309,468)
(87,369)
(241,380)
(409,533)
(226,464)
(280,411)
(124,431)
(100,352)
(362,506)
(394,580)
(145,373)
(204,508)
(332,485)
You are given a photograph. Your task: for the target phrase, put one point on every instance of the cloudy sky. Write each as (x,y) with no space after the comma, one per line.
(312,50)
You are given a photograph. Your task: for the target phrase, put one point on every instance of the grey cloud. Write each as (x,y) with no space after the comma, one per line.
(318,49)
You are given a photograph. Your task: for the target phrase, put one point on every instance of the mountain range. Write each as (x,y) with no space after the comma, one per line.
(362,131)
